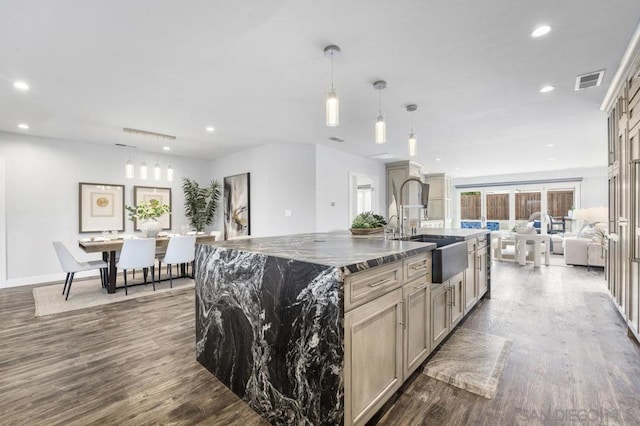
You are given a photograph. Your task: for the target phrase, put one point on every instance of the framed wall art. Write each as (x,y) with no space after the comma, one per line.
(143,194)
(101,207)
(236,206)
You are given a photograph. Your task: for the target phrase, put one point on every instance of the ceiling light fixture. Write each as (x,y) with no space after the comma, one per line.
(209,129)
(549,145)
(157,170)
(412,136)
(381,127)
(332,104)
(166,148)
(21,85)
(541,30)
(23,126)
(547,89)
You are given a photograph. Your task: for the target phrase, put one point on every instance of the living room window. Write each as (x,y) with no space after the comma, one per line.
(527,203)
(471,205)
(559,202)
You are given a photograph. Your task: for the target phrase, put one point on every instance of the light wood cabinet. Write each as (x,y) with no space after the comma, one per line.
(470,279)
(623,251)
(439,206)
(440,313)
(417,331)
(373,356)
(482,266)
(456,288)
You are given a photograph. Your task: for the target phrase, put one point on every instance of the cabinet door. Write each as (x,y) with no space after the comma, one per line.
(417,333)
(470,281)
(440,313)
(373,356)
(481,275)
(456,285)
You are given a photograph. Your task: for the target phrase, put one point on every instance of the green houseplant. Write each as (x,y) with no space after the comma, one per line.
(148,213)
(200,204)
(367,223)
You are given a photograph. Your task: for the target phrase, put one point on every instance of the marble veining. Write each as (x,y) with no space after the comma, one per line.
(271,329)
(337,249)
(472,361)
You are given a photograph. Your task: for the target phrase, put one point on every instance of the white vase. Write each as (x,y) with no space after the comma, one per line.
(150,228)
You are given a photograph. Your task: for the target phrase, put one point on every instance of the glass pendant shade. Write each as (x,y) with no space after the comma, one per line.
(170,173)
(157,171)
(333,109)
(381,130)
(412,145)
(143,170)
(129,169)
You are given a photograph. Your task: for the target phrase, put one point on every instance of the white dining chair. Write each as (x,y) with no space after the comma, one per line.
(70,265)
(138,253)
(181,249)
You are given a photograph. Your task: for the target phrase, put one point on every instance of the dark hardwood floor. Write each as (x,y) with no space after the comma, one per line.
(134,362)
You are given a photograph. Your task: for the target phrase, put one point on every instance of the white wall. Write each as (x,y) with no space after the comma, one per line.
(3,226)
(42,177)
(332,186)
(282,178)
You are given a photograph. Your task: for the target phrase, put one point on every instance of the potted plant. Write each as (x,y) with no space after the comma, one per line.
(200,204)
(367,223)
(148,213)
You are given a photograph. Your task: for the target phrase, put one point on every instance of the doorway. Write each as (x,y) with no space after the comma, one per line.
(363,194)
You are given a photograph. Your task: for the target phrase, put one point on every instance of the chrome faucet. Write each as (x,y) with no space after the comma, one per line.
(424,198)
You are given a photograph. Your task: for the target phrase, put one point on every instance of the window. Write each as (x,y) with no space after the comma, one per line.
(470,205)
(364,198)
(497,206)
(559,202)
(527,203)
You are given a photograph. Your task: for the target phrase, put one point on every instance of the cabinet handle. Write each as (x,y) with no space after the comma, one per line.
(403,322)
(450,291)
(419,268)
(420,287)
(479,262)
(379,283)
(453,296)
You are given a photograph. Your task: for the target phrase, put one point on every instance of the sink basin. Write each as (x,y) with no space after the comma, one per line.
(448,259)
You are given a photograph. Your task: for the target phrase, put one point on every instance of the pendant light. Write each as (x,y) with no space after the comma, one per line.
(332,103)
(412,136)
(128,168)
(157,171)
(143,165)
(381,127)
(170,173)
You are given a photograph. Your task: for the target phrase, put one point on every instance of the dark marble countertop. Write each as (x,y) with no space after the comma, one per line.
(339,249)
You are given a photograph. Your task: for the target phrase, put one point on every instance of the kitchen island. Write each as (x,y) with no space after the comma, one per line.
(310,328)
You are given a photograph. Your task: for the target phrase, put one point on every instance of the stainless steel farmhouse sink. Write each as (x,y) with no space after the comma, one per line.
(449,257)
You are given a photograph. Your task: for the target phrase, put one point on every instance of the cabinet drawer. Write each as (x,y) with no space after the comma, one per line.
(364,286)
(482,242)
(417,266)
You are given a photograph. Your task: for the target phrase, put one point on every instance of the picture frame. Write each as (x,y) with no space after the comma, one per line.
(148,193)
(101,207)
(237,209)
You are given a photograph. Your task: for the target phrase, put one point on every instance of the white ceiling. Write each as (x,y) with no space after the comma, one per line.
(255,70)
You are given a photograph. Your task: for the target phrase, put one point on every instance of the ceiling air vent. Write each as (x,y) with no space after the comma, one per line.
(591,79)
(335,139)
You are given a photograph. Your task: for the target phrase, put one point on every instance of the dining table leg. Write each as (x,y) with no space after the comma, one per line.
(112,270)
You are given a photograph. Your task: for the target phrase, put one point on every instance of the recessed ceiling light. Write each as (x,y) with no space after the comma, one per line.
(437,159)
(541,30)
(210,129)
(21,85)
(549,145)
(457,168)
(547,89)
(23,126)
(551,159)
(166,148)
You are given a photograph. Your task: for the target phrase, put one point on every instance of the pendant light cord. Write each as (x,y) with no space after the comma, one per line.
(380,101)
(332,71)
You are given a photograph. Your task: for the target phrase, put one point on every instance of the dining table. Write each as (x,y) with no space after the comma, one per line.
(110,246)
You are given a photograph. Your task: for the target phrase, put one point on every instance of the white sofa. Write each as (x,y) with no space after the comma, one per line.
(585,248)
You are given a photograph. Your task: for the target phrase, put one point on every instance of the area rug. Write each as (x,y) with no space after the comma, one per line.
(84,294)
(472,361)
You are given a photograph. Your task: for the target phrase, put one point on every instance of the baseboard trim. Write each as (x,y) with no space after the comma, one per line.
(45,279)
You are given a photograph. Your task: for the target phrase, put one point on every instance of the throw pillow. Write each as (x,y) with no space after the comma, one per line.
(587,232)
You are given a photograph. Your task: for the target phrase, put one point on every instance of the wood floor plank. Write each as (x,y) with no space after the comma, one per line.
(133,363)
